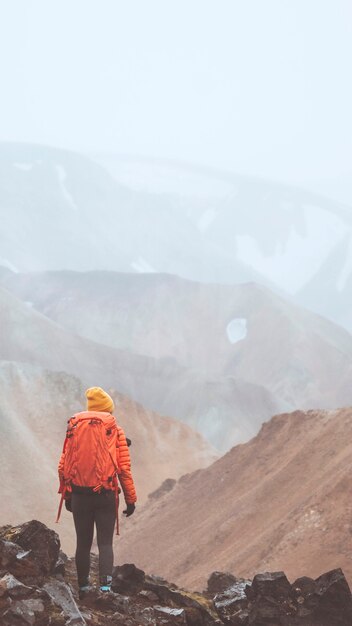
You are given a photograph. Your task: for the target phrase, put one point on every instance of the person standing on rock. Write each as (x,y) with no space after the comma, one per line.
(95,460)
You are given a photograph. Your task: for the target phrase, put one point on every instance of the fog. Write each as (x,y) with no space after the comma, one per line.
(258,87)
(176,227)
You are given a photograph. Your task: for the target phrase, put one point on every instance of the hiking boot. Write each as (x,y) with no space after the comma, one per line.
(105,584)
(84,589)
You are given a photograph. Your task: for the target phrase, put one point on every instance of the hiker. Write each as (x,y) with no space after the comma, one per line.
(94,461)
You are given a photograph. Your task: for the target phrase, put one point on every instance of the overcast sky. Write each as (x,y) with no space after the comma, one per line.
(261,87)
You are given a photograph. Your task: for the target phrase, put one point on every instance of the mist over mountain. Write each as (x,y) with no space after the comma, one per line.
(181,313)
(237,354)
(226,409)
(35,406)
(176,228)
(62,210)
(298,240)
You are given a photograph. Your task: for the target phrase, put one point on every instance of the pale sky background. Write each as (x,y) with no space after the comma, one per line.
(260,87)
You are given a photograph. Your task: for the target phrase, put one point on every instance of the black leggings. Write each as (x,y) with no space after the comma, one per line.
(87,509)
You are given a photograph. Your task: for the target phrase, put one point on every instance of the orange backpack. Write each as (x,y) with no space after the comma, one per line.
(90,454)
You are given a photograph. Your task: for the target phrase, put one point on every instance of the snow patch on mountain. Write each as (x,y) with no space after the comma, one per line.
(142,266)
(10,266)
(297,259)
(347,268)
(236,330)
(206,219)
(25,167)
(164,178)
(62,176)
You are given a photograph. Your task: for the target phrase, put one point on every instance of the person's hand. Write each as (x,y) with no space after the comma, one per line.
(68,504)
(129,510)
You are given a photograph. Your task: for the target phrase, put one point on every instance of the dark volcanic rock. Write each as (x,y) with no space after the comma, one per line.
(270,594)
(219,581)
(272,601)
(19,562)
(10,586)
(231,605)
(59,567)
(43,543)
(167,485)
(171,617)
(272,584)
(39,589)
(197,607)
(62,596)
(304,592)
(28,612)
(127,579)
(335,602)
(9,552)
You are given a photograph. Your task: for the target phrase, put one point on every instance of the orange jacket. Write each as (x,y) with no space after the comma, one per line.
(123,463)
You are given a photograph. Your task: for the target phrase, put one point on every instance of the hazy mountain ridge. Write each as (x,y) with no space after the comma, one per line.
(288,234)
(35,406)
(229,409)
(230,341)
(222,379)
(330,288)
(61,210)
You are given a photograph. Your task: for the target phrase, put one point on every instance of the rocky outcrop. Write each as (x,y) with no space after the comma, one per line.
(38,588)
(270,599)
(40,542)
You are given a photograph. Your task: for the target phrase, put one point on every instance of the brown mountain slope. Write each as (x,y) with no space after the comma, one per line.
(223,408)
(34,407)
(280,501)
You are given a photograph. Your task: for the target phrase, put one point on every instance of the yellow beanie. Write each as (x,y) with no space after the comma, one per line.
(99,400)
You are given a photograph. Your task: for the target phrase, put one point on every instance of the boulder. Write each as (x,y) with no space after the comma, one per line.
(59,568)
(127,579)
(43,543)
(304,593)
(198,607)
(28,612)
(270,584)
(231,605)
(170,617)
(19,562)
(61,595)
(111,602)
(335,600)
(271,600)
(271,596)
(13,588)
(219,581)
(166,486)
(9,552)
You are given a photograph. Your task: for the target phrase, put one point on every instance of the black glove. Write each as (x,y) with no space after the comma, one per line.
(128,441)
(129,510)
(68,504)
